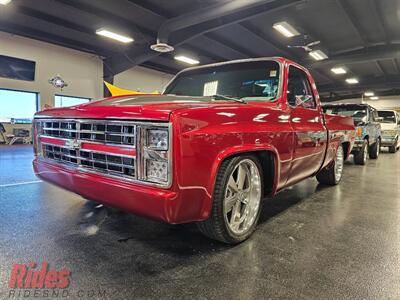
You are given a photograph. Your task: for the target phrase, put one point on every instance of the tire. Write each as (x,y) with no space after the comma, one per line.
(333,173)
(221,224)
(394,148)
(360,158)
(374,149)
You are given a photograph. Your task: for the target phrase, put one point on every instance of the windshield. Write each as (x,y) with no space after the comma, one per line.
(359,114)
(388,116)
(252,81)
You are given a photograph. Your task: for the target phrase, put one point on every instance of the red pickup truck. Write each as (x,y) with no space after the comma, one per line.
(207,150)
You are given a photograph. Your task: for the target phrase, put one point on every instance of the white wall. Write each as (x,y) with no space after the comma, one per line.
(82,71)
(387,102)
(142,79)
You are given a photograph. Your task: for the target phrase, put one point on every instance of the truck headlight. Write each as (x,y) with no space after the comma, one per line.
(157,139)
(36,131)
(156,170)
(155,154)
(359,131)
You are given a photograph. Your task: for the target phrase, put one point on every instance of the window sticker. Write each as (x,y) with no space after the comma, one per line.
(210,88)
(273,73)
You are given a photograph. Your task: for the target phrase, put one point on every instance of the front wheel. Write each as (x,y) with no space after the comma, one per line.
(393,149)
(360,158)
(236,202)
(374,149)
(333,174)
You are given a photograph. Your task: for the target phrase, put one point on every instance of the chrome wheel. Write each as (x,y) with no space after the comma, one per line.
(365,154)
(242,197)
(378,147)
(339,162)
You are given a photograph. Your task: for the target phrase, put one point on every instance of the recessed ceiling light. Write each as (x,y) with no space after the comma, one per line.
(318,55)
(5,2)
(369,94)
(339,70)
(286,29)
(352,80)
(188,60)
(374,98)
(114,36)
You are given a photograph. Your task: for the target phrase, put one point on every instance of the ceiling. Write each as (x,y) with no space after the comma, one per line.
(361,35)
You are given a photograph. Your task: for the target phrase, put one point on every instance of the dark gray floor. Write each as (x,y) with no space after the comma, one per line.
(312,241)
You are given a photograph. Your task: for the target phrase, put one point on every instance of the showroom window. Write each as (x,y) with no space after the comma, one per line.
(62,101)
(17,106)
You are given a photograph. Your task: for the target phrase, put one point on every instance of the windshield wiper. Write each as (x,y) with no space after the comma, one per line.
(227,98)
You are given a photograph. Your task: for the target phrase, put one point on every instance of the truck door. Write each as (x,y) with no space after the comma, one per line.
(375,126)
(310,134)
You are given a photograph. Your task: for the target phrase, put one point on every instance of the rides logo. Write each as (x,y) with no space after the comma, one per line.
(29,277)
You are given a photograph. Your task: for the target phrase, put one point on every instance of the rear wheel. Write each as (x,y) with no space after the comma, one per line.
(360,158)
(333,174)
(236,202)
(374,149)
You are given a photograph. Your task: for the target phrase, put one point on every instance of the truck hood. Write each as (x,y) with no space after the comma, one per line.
(148,107)
(388,126)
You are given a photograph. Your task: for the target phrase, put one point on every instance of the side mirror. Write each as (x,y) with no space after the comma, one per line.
(379,119)
(301,99)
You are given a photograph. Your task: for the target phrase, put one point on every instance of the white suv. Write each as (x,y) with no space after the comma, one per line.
(390,122)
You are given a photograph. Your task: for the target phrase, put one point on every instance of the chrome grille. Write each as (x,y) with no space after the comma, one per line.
(113,147)
(112,164)
(108,132)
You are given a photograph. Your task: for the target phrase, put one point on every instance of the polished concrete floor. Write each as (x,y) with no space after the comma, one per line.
(312,242)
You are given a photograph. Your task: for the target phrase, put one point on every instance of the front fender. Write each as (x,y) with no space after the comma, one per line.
(241,149)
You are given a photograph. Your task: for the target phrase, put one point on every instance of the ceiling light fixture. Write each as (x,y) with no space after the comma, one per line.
(339,70)
(352,80)
(162,47)
(318,55)
(369,94)
(374,98)
(5,2)
(114,36)
(286,29)
(188,60)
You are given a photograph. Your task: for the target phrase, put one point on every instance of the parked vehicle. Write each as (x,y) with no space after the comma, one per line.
(219,139)
(390,122)
(368,128)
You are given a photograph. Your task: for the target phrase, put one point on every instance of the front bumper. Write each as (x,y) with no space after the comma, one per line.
(357,146)
(388,141)
(164,205)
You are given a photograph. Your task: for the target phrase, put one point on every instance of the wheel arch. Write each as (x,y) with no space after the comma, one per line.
(346,149)
(269,160)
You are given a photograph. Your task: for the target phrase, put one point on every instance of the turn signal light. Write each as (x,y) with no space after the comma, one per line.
(359,131)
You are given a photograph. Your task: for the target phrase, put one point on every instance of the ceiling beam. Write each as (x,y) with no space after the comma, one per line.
(377,12)
(207,14)
(147,34)
(50,38)
(83,32)
(164,15)
(361,56)
(380,68)
(396,65)
(185,35)
(372,83)
(336,97)
(353,20)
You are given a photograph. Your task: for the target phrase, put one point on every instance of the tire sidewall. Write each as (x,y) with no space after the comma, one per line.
(233,237)
(340,148)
